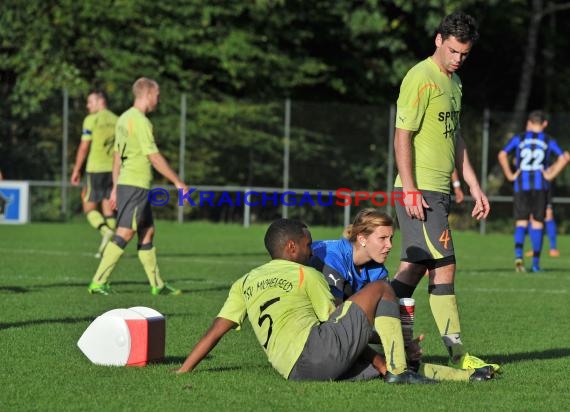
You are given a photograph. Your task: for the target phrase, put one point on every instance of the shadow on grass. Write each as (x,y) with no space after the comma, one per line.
(175,360)
(34,322)
(32,288)
(178,360)
(143,283)
(557,353)
(13,289)
(185,291)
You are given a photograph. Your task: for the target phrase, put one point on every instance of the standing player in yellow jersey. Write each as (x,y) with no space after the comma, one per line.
(97,147)
(292,313)
(428,146)
(135,155)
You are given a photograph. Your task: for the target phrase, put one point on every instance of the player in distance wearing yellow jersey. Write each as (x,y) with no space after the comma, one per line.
(136,154)
(96,147)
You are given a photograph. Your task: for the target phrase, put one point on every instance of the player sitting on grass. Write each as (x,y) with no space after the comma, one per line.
(294,318)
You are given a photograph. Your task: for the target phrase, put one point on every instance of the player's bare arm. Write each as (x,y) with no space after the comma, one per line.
(161,165)
(557,167)
(378,361)
(459,195)
(414,204)
(482,207)
(218,329)
(82,152)
(505,166)
(116,170)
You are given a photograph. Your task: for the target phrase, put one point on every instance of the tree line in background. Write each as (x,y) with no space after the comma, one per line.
(237,61)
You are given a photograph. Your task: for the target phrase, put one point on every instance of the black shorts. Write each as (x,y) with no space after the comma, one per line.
(529,202)
(549,195)
(428,240)
(97,187)
(133,208)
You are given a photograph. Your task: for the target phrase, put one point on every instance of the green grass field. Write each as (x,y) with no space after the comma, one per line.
(519,320)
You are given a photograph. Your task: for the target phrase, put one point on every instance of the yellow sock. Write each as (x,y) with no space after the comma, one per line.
(388,325)
(446,315)
(111,222)
(444,373)
(109,260)
(97,221)
(148,260)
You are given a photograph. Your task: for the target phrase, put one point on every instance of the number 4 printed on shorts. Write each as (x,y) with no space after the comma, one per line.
(444,238)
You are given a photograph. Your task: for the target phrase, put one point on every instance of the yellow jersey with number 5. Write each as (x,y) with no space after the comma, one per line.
(283,301)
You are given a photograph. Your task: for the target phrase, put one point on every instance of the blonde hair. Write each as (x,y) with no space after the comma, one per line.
(365,222)
(143,85)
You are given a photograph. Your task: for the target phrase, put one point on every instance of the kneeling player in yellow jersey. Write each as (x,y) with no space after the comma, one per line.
(293,316)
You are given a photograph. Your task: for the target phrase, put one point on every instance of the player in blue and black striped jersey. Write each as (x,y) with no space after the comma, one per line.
(532,151)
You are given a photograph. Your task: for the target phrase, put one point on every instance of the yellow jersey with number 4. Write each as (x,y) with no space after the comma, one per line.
(134,141)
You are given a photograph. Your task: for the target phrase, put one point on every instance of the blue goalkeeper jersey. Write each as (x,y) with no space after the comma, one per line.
(533,152)
(334,259)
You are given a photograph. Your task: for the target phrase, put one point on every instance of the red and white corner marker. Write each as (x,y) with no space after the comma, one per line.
(125,337)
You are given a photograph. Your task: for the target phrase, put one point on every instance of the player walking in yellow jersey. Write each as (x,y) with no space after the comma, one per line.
(97,147)
(136,154)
